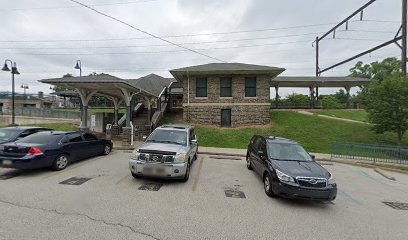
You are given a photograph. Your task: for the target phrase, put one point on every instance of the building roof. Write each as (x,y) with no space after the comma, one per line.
(152,83)
(307,81)
(109,85)
(65,93)
(227,68)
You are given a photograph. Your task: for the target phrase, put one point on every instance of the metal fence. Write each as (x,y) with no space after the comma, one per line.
(373,153)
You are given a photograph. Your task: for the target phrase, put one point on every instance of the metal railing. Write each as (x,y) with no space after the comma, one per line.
(373,153)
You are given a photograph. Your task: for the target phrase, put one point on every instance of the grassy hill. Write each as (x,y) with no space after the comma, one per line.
(315,133)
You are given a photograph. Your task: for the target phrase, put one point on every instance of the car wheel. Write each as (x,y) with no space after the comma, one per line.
(248,160)
(187,176)
(60,163)
(107,149)
(135,175)
(268,185)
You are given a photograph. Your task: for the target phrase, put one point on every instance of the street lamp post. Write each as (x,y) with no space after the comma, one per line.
(78,65)
(13,71)
(25,87)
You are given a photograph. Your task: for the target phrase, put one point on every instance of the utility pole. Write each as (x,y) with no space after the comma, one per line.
(317,56)
(404,38)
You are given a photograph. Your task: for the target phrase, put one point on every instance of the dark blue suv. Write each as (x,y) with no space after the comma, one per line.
(287,170)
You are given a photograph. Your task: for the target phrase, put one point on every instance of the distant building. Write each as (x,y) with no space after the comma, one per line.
(25,101)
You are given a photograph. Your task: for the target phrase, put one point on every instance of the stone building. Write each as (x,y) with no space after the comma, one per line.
(226,94)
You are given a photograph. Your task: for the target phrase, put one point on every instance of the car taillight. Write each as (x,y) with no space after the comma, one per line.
(34,151)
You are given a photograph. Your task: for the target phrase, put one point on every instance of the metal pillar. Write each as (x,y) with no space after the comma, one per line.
(13,106)
(404,38)
(317,96)
(347,96)
(317,56)
(312,102)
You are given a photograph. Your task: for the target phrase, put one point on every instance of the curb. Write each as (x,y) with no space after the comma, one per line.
(222,154)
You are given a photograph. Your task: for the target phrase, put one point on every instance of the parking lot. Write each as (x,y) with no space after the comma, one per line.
(101,200)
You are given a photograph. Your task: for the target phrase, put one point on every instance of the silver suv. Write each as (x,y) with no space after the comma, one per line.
(168,152)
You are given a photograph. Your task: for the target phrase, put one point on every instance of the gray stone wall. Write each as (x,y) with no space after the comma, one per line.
(244,110)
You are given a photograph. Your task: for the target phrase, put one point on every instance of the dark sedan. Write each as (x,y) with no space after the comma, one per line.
(52,149)
(287,170)
(11,134)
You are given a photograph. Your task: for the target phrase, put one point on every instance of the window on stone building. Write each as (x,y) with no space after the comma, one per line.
(225,87)
(250,87)
(201,87)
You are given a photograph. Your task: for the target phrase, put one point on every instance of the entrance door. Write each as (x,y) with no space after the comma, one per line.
(225,117)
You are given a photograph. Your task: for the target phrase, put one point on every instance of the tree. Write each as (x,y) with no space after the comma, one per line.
(331,102)
(387,105)
(295,99)
(377,70)
(341,96)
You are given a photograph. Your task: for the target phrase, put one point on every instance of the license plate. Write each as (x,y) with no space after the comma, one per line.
(160,170)
(7,162)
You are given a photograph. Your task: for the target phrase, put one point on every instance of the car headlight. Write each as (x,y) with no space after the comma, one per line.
(284,177)
(135,154)
(181,157)
(331,180)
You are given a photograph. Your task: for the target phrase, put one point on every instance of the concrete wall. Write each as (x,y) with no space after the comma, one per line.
(244,110)
(6,120)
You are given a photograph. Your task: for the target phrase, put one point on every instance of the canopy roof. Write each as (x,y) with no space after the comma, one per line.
(108,85)
(302,81)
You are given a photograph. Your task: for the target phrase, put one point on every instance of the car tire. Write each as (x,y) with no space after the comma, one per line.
(134,175)
(187,176)
(249,164)
(107,149)
(60,162)
(267,181)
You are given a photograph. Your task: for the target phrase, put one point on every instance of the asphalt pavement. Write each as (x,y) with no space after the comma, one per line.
(101,200)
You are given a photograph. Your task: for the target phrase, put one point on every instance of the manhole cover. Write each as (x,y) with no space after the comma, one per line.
(151,186)
(234,194)
(9,175)
(75,181)
(397,205)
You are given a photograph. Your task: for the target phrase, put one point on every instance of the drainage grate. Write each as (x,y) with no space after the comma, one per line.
(151,186)
(234,194)
(397,205)
(9,175)
(75,181)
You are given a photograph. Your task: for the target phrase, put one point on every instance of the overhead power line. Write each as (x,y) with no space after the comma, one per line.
(177,36)
(145,32)
(66,7)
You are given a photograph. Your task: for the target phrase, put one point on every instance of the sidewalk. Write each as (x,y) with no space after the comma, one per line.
(242,152)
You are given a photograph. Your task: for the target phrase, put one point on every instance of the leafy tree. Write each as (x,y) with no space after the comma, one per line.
(341,96)
(331,102)
(377,70)
(295,99)
(387,105)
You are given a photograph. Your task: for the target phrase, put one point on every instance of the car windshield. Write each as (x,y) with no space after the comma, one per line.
(40,138)
(168,136)
(8,134)
(288,152)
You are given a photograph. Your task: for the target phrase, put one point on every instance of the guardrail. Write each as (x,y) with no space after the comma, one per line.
(373,153)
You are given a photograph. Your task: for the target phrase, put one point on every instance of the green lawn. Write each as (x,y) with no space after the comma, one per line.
(358,115)
(316,134)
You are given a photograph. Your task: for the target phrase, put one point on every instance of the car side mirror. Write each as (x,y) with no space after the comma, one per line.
(313,157)
(194,141)
(261,154)
(144,138)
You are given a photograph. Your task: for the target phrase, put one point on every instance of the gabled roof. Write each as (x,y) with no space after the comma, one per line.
(153,84)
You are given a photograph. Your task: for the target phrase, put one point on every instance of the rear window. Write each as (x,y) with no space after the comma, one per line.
(41,138)
(8,134)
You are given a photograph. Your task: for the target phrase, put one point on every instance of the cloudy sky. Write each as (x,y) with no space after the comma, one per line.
(46,37)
